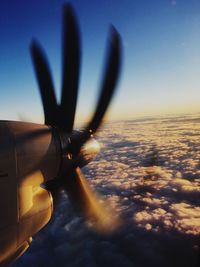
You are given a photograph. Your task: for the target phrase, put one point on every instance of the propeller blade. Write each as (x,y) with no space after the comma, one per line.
(107,90)
(110,79)
(45,83)
(55,188)
(71,65)
(86,201)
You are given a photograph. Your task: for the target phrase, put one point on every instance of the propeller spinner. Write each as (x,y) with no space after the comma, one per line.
(76,145)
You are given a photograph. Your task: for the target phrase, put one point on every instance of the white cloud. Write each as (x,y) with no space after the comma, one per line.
(149,171)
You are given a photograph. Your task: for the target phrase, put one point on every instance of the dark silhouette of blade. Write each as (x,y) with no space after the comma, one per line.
(110,79)
(88,203)
(71,62)
(55,188)
(45,83)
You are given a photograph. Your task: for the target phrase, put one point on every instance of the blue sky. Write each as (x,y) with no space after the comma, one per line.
(161,66)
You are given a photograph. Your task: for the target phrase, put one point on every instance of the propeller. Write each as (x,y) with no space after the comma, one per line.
(60,117)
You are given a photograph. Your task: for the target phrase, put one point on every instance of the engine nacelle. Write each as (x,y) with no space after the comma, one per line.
(29,156)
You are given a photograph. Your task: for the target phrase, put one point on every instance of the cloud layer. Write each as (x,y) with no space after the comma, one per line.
(149,170)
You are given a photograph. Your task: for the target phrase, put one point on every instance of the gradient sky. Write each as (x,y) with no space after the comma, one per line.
(161,66)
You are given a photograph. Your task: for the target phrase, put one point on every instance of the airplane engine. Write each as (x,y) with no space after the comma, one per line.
(29,157)
(37,161)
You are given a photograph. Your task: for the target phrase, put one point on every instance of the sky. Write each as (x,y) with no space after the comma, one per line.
(161,55)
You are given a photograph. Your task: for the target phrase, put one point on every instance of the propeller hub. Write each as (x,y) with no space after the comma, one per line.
(88,152)
(73,154)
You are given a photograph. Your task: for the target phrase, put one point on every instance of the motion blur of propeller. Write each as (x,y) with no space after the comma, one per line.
(61,116)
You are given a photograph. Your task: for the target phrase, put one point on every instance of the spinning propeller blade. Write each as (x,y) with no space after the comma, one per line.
(45,83)
(61,117)
(110,80)
(71,65)
(89,203)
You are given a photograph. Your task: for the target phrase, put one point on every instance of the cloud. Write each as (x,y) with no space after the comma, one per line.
(149,172)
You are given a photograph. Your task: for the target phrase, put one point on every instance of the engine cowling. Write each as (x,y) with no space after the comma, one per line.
(29,156)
